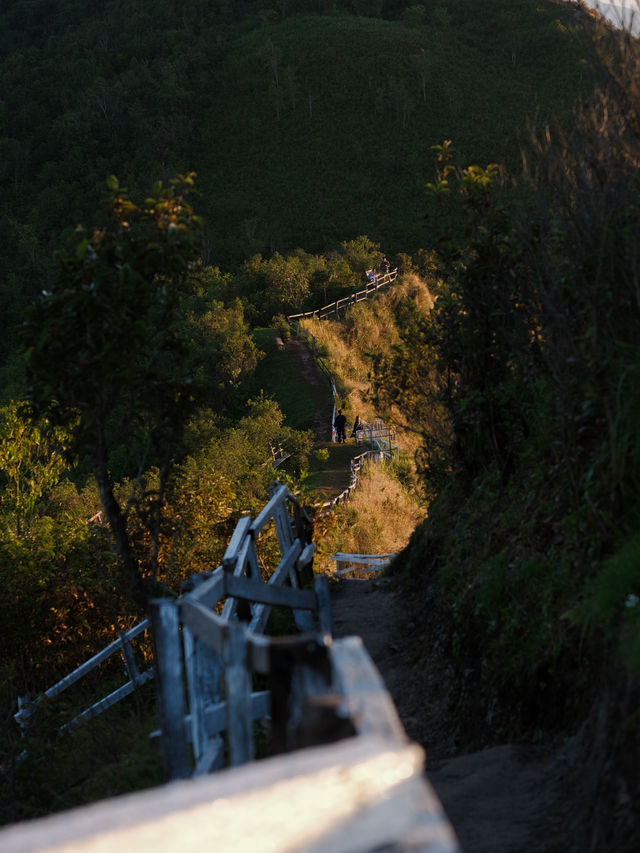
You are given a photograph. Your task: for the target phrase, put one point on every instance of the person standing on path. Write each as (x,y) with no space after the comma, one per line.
(356,427)
(340,424)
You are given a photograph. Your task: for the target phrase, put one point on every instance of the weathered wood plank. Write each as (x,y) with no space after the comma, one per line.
(286,564)
(168,660)
(356,795)
(304,621)
(210,628)
(238,682)
(129,659)
(283,527)
(267,511)
(237,538)
(209,591)
(204,674)
(245,555)
(270,594)
(261,611)
(90,664)
(216,715)
(306,557)
(102,704)
(259,652)
(370,705)
(212,757)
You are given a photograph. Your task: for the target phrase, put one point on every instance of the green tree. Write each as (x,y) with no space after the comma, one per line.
(361,254)
(31,463)
(288,282)
(105,349)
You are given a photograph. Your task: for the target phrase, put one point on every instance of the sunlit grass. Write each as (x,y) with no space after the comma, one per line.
(379,518)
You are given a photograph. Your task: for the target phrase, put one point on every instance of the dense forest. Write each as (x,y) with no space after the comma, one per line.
(178,176)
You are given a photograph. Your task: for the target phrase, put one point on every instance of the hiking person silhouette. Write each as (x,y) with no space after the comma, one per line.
(340,424)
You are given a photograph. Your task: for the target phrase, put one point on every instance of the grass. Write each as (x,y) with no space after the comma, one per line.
(110,755)
(369,328)
(279,376)
(379,517)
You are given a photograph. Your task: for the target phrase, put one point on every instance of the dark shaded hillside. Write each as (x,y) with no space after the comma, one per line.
(321,127)
(304,130)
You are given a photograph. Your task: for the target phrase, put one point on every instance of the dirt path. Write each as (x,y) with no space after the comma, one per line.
(321,391)
(505,799)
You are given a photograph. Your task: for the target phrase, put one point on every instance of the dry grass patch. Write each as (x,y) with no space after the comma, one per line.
(379,518)
(369,329)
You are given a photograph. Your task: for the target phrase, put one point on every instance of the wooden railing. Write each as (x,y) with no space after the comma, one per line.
(382,437)
(356,564)
(202,634)
(136,678)
(351,781)
(333,308)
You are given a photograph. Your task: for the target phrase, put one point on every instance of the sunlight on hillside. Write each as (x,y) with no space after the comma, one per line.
(379,518)
(367,330)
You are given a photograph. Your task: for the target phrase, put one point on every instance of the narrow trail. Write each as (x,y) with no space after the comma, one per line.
(504,799)
(312,376)
(509,798)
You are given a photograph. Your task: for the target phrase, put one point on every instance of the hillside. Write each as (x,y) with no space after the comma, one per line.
(321,127)
(305,130)
(519,376)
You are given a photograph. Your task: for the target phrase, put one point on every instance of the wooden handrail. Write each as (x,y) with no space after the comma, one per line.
(371,784)
(25,713)
(216,645)
(333,308)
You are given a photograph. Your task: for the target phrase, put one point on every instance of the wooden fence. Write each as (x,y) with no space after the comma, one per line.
(382,437)
(202,634)
(357,564)
(333,308)
(351,781)
(136,678)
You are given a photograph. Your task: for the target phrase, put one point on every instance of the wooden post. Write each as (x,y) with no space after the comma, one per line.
(324,605)
(283,527)
(238,681)
(129,660)
(168,659)
(302,707)
(204,670)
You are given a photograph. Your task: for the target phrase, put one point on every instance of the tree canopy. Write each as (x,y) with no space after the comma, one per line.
(106,348)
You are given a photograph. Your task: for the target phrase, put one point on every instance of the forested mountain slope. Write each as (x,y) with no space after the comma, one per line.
(305,130)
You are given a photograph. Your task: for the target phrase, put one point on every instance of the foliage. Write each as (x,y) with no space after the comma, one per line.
(298,137)
(279,377)
(117,292)
(54,592)
(523,379)
(112,755)
(378,518)
(31,463)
